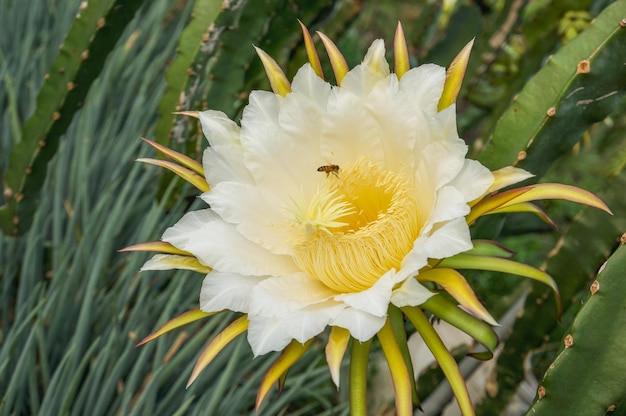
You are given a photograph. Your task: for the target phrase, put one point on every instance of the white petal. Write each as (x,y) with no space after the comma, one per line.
(307,83)
(416,258)
(362,325)
(411,293)
(374,69)
(267,334)
(349,132)
(423,86)
(450,239)
(449,204)
(227,291)
(280,138)
(375,59)
(473,180)
(304,324)
(218,128)
(443,160)
(225,163)
(278,296)
(256,212)
(397,123)
(374,300)
(443,124)
(219,245)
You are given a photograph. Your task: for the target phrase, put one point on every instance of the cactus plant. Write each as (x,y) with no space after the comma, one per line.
(588,377)
(579,86)
(97,27)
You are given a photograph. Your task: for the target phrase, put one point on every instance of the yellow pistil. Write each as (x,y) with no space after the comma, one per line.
(358,226)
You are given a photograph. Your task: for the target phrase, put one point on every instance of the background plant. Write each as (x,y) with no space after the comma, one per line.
(72,307)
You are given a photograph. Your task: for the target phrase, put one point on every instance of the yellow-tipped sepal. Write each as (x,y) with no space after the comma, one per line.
(335,350)
(218,343)
(337,61)
(454,77)
(181,320)
(278,81)
(290,355)
(311,52)
(400,52)
(399,372)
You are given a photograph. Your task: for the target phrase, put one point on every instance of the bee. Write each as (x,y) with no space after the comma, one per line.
(334,169)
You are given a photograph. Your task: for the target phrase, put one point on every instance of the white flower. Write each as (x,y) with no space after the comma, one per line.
(326,202)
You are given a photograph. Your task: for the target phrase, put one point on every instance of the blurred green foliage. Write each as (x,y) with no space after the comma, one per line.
(72,307)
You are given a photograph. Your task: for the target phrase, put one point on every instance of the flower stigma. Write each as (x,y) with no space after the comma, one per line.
(357,227)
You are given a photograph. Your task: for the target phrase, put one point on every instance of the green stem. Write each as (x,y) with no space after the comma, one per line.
(358,377)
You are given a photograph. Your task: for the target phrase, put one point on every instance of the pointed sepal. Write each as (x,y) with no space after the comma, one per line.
(468,261)
(278,81)
(444,309)
(400,53)
(156,246)
(532,193)
(454,77)
(290,355)
(335,350)
(180,158)
(490,248)
(399,372)
(181,320)
(311,52)
(455,284)
(218,343)
(186,174)
(174,261)
(337,61)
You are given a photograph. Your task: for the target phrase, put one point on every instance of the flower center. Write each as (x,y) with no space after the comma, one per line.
(358,226)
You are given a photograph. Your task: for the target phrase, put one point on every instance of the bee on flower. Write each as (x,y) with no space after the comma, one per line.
(328,169)
(356,256)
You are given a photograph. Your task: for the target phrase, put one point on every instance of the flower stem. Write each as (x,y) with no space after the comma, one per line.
(358,377)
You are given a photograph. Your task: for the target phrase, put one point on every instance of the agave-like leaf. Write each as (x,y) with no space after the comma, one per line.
(218,343)
(279,82)
(335,350)
(181,320)
(337,61)
(444,358)
(186,174)
(399,372)
(290,355)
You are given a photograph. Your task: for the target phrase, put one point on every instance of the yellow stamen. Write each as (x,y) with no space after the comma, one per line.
(360,225)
